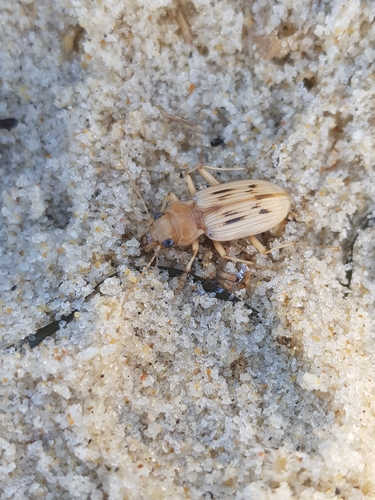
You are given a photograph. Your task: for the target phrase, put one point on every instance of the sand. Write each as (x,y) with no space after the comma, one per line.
(159,395)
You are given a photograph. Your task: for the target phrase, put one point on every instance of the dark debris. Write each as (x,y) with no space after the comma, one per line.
(350,253)
(8,123)
(49,330)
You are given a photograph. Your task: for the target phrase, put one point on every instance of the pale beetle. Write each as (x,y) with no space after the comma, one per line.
(223,212)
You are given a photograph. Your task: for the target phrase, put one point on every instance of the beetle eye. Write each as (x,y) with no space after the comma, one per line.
(158,215)
(168,243)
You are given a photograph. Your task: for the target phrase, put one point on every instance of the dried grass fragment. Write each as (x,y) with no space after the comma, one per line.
(182,22)
(182,121)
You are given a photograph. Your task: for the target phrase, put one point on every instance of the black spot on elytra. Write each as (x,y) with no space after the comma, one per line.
(255,206)
(221,191)
(264,211)
(230,213)
(263,196)
(233,221)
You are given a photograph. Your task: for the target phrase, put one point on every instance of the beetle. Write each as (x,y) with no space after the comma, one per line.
(223,212)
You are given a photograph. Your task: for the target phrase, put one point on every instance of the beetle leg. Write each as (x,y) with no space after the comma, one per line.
(262,249)
(195,247)
(169,198)
(221,250)
(278,230)
(190,184)
(206,175)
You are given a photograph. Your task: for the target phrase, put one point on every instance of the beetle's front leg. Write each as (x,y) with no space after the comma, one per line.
(195,247)
(219,247)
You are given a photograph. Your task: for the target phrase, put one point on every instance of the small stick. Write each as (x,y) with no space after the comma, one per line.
(182,22)
(182,121)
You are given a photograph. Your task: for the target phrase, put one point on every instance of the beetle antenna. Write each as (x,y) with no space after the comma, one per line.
(306,245)
(136,190)
(200,166)
(181,283)
(220,168)
(140,277)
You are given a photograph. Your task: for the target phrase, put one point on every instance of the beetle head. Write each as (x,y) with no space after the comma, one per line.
(161,232)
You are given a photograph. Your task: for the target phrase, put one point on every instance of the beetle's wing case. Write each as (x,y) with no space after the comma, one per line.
(241,208)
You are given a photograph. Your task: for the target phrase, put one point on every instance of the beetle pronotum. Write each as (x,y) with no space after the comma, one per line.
(224,212)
